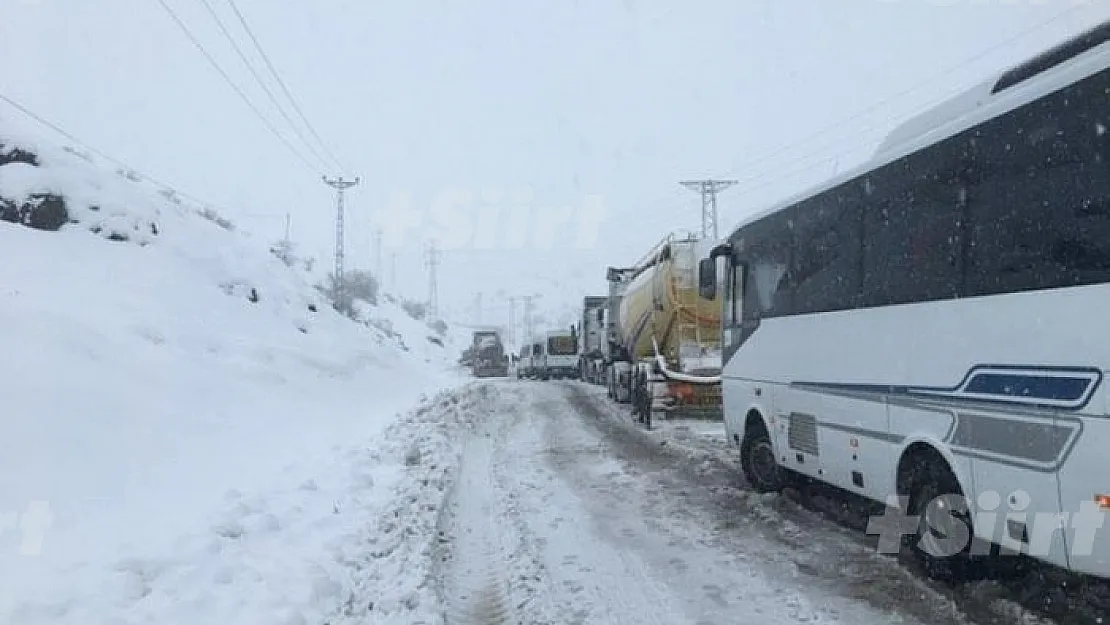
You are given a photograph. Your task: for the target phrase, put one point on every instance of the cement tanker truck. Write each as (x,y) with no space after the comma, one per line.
(665,347)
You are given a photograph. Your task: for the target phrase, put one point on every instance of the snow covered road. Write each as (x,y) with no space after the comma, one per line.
(561,513)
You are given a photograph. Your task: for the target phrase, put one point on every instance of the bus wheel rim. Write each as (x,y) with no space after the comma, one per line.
(763,462)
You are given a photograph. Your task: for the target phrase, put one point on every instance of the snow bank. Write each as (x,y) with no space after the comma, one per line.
(169,389)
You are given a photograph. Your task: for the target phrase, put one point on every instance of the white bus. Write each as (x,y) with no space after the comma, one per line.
(938,320)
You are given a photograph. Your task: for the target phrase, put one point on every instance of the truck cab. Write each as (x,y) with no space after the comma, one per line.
(561,351)
(489,357)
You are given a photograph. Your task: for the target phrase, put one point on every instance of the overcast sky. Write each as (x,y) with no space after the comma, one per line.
(576,117)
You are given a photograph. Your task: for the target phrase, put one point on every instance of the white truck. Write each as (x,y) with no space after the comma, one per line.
(560,354)
(591,339)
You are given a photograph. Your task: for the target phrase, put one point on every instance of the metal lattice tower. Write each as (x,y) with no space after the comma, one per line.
(708,190)
(340,185)
(433,286)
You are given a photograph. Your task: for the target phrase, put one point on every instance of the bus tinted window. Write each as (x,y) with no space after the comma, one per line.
(826,268)
(913,246)
(1021,202)
(1040,212)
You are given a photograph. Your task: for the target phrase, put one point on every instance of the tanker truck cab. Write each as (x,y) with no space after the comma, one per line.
(561,349)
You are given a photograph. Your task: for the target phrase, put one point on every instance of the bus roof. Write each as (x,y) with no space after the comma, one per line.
(1089,54)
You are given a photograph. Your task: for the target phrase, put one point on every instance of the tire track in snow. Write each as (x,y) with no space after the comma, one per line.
(473,588)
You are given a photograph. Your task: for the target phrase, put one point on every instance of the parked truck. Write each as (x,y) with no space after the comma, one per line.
(524,366)
(664,340)
(591,339)
(488,355)
(560,354)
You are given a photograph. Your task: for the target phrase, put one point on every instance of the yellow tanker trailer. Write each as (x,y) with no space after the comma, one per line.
(667,335)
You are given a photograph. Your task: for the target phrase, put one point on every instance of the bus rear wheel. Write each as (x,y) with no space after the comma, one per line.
(757,460)
(944,536)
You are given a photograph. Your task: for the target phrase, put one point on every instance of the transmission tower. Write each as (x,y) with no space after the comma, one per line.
(340,185)
(708,190)
(433,287)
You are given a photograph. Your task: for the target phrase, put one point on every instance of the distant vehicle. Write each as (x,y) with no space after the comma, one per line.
(538,357)
(560,354)
(666,340)
(931,328)
(467,357)
(525,361)
(591,339)
(489,357)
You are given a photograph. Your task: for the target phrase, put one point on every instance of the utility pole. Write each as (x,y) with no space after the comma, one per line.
(708,190)
(512,323)
(527,317)
(433,287)
(378,253)
(393,271)
(286,239)
(340,185)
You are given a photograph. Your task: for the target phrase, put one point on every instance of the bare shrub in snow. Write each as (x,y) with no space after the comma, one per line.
(439,326)
(416,310)
(211,215)
(285,250)
(355,285)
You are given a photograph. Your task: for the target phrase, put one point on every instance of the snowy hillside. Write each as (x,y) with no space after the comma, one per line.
(156,365)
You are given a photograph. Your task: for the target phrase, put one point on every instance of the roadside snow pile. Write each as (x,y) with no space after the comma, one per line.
(353,545)
(167,386)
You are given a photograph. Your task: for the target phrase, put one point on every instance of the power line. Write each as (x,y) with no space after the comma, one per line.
(898,95)
(281,83)
(234,87)
(115,161)
(261,83)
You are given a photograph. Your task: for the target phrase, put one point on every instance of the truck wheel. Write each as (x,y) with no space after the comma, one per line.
(757,460)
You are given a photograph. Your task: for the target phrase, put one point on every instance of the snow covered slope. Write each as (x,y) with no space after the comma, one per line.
(159,374)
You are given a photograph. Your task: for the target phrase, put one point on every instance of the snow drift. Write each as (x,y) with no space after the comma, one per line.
(161,373)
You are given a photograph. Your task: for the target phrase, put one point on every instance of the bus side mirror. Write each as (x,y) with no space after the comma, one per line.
(707,278)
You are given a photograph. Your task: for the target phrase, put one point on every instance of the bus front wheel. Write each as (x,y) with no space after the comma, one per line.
(757,459)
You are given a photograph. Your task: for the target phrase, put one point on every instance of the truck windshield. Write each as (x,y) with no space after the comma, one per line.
(562,346)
